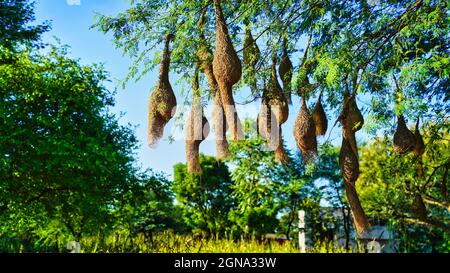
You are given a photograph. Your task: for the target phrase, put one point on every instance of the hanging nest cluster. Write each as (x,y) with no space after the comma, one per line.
(205,58)
(162,103)
(251,55)
(320,118)
(227,72)
(352,121)
(286,70)
(274,113)
(404,139)
(197,130)
(305,133)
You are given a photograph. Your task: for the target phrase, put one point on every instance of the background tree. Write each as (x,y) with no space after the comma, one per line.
(257,181)
(15,28)
(61,152)
(390,186)
(147,207)
(205,199)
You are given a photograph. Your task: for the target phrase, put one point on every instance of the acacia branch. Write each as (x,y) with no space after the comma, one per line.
(393,32)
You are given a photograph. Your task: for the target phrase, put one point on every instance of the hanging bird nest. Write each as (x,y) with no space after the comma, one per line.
(227,71)
(219,121)
(162,103)
(353,116)
(274,112)
(286,70)
(270,130)
(352,121)
(419,147)
(265,119)
(197,130)
(280,153)
(404,140)
(251,54)
(320,118)
(348,162)
(305,133)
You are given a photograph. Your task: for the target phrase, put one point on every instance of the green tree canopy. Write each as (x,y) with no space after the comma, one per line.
(15,28)
(409,193)
(62,154)
(205,199)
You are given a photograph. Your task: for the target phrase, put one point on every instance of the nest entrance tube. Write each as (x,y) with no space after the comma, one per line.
(227,72)
(162,103)
(197,130)
(404,139)
(305,133)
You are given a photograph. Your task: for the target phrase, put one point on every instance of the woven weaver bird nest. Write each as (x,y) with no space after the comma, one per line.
(162,103)
(352,121)
(305,133)
(274,112)
(205,58)
(286,69)
(227,71)
(197,130)
(404,139)
(251,54)
(348,162)
(320,118)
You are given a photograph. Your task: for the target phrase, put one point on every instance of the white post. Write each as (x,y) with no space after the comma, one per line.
(301,231)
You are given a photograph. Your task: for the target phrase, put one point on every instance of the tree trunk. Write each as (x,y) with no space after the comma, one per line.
(359,216)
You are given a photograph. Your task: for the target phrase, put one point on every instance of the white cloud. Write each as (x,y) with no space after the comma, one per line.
(73,2)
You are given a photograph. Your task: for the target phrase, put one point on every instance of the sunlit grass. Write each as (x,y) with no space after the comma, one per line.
(168,242)
(173,243)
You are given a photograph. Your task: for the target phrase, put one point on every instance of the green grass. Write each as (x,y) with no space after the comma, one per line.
(168,242)
(172,243)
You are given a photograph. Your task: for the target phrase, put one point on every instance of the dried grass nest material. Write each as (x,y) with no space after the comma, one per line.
(353,116)
(280,153)
(162,102)
(197,129)
(348,162)
(404,139)
(227,71)
(419,147)
(286,70)
(352,121)
(274,112)
(305,133)
(218,115)
(320,118)
(251,54)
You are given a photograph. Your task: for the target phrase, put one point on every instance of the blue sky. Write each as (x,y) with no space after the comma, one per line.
(71,21)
